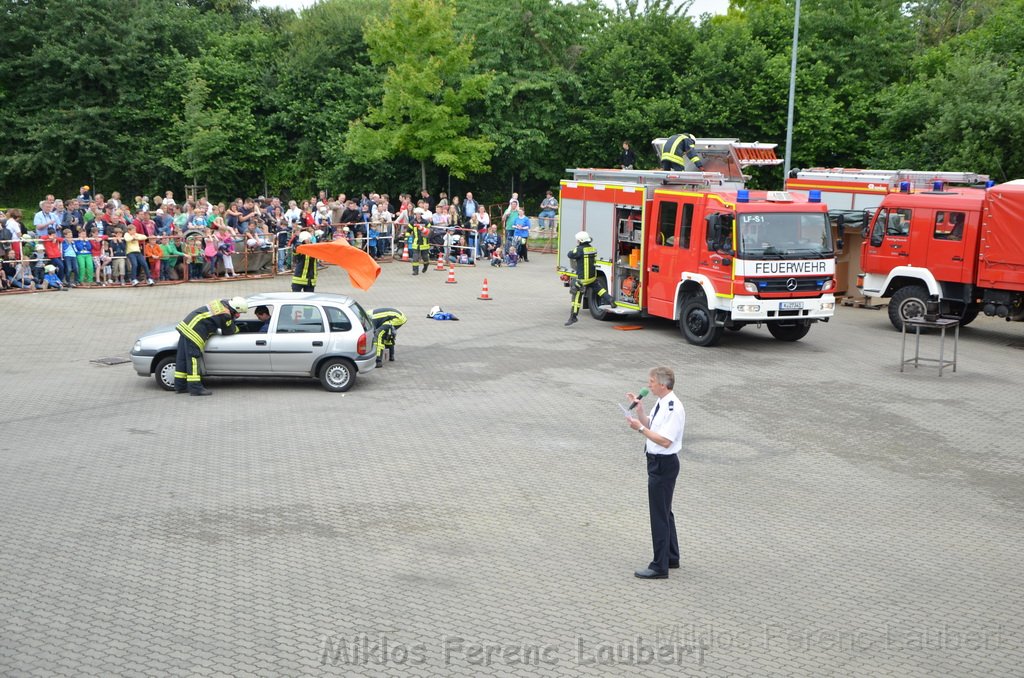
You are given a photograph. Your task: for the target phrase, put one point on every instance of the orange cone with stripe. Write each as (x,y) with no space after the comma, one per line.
(440,262)
(451,275)
(485,295)
(405,252)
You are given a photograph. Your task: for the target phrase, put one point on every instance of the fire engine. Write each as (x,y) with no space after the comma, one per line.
(928,237)
(699,248)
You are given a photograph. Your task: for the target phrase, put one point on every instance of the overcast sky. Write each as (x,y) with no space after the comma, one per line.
(699,6)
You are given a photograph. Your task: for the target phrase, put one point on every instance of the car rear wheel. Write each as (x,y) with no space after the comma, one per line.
(164,372)
(338,375)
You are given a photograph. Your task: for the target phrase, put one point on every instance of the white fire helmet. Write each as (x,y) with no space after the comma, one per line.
(582,237)
(434,311)
(238,304)
(305,236)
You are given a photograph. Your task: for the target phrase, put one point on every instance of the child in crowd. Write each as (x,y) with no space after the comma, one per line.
(194,256)
(372,235)
(119,256)
(284,236)
(83,248)
(70,259)
(103,267)
(21,274)
(154,255)
(50,279)
(96,245)
(226,246)
(39,262)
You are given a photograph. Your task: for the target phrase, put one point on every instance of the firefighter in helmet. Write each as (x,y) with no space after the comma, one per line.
(304,276)
(677,150)
(197,327)
(417,231)
(584,259)
(386,322)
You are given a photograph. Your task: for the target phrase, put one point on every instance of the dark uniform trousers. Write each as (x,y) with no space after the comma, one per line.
(188,365)
(662,471)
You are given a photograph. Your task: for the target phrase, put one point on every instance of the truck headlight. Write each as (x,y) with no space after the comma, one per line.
(827,306)
(748,308)
(829,284)
(750,287)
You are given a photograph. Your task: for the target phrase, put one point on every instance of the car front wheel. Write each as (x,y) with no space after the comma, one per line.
(164,373)
(338,375)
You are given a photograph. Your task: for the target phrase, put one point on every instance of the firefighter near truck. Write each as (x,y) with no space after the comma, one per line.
(699,248)
(955,238)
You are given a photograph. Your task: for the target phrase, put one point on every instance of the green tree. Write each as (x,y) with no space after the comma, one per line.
(427,91)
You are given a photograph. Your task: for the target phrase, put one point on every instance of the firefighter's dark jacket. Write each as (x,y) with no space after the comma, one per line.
(203,323)
(584,259)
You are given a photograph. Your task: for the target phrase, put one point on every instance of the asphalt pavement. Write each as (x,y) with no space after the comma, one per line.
(479,505)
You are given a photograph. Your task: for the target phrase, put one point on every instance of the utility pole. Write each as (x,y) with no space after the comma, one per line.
(792,95)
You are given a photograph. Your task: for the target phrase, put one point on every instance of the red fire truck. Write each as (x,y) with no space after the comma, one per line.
(962,244)
(697,247)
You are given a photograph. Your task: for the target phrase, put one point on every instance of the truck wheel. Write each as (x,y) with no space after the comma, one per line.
(697,323)
(164,372)
(338,375)
(789,331)
(593,302)
(906,303)
(968,315)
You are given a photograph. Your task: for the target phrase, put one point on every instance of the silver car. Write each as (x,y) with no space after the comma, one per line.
(324,336)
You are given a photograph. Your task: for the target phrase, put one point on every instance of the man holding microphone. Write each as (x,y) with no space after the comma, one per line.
(663,438)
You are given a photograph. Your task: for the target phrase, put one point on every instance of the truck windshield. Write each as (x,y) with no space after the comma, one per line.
(785,235)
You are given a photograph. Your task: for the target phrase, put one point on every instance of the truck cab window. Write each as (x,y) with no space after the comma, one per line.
(949,225)
(686,226)
(667,215)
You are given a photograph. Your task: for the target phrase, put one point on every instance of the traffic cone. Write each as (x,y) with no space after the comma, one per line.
(451,275)
(485,295)
(440,262)
(405,252)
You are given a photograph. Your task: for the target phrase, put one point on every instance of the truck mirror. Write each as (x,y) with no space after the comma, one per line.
(839,244)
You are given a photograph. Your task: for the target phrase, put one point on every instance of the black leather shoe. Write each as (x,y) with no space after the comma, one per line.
(572,319)
(648,573)
(202,392)
(673,564)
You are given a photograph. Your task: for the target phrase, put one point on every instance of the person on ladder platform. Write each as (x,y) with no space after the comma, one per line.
(304,276)
(584,259)
(386,322)
(677,150)
(197,327)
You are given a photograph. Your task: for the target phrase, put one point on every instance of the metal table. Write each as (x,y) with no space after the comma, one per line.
(941,324)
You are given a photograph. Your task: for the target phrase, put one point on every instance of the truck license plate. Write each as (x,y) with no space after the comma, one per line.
(790,305)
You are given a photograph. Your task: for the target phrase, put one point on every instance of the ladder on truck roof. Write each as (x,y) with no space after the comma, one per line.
(649,177)
(891,178)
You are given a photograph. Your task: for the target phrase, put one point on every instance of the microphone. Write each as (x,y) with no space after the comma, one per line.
(639,396)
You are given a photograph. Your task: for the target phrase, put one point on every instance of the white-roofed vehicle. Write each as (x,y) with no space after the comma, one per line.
(321,336)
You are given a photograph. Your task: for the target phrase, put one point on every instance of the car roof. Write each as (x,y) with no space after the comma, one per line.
(285,297)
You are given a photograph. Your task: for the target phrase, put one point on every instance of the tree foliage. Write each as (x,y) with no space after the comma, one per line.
(427,91)
(356,94)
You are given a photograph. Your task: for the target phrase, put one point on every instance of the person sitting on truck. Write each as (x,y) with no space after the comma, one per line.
(677,150)
(584,259)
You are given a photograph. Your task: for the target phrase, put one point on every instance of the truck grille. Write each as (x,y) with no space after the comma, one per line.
(783,285)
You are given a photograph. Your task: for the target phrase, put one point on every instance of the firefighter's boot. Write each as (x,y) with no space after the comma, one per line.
(572,319)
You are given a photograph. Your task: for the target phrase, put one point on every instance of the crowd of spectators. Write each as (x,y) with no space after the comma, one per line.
(95,240)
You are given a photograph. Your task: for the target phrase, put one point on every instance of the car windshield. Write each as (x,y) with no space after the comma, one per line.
(785,235)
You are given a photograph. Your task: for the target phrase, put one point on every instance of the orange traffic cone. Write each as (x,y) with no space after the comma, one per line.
(405,252)
(440,262)
(485,295)
(451,275)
